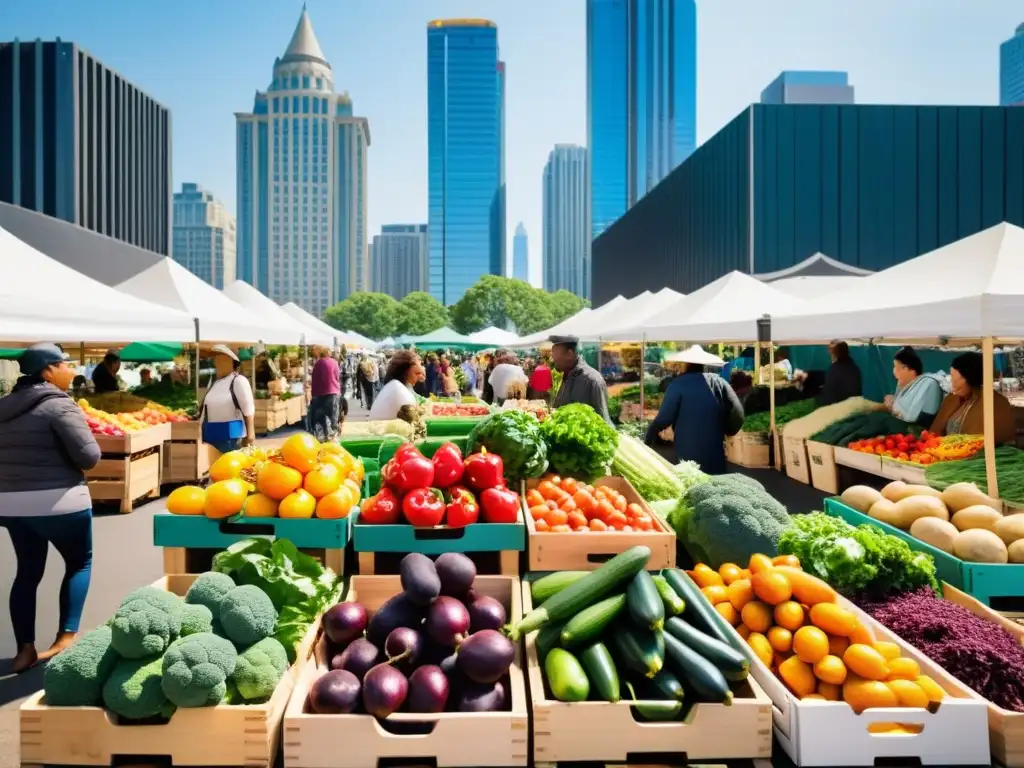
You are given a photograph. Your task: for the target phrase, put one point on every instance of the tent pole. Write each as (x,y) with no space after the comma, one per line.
(771,388)
(195,320)
(81,354)
(987,403)
(305,367)
(643,366)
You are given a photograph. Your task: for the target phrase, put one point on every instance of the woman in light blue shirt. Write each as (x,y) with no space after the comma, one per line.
(918,394)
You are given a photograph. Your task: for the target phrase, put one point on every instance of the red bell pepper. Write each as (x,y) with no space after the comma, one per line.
(406,451)
(389,473)
(381,509)
(423,507)
(500,505)
(448,467)
(414,472)
(462,509)
(484,470)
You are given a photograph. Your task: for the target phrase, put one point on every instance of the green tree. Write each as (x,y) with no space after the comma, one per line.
(374,315)
(483,305)
(420,313)
(501,301)
(564,304)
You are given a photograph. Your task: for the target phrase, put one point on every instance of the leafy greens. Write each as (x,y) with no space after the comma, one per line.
(516,437)
(580,443)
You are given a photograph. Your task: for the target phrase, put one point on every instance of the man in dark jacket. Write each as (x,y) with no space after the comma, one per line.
(580,382)
(104,377)
(842,380)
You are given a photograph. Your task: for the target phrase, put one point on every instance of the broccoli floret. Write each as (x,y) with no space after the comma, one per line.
(75,676)
(133,689)
(196,669)
(260,668)
(209,589)
(147,622)
(247,615)
(195,619)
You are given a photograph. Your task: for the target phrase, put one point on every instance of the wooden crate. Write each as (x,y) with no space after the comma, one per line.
(821,461)
(245,736)
(796,458)
(780,449)
(271,414)
(596,731)
(130,467)
(899,470)
(186,430)
(293,410)
(865,462)
(455,739)
(748,449)
(187,461)
(551,551)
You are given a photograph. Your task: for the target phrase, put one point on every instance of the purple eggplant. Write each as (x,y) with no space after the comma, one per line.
(485,656)
(398,611)
(335,693)
(404,648)
(359,658)
(384,690)
(481,697)
(447,621)
(419,578)
(428,690)
(456,572)
(486,613)
(344,622)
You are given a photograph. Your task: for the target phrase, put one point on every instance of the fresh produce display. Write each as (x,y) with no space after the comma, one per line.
(562,505)
(760,422)
(1009,465)
(117,424)
(650,474)
(171,394)
(820,418)
(862,426)
(302,479)
(462,410)
(858,558)
(433,647)
(538,408)
(516,437)
(792,623)
(354,429)
(580,443)
(923,449)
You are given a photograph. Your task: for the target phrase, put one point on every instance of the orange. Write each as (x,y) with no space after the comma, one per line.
(322,480)
(300,451)
(225,498)
(830,669)
(771,587)
(186,500)
(789,615)
(259,505)
(833,619)
(810,644)
(866,662)
(336,505)
(740,593)
(757,616)
(229,465)
(277,480)
(298,504)
(729,572)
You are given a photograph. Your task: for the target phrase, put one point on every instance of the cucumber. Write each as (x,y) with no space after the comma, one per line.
(702,676)
(733,665)
(640,650)
(699,610)
(550,585)
(548,637)
(674,604)
(655,710)
(588,625)
(566,677)
(600,668)
(644,602)
(667,685)
(583,593)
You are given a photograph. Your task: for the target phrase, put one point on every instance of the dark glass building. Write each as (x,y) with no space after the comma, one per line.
(80,143)
(869,186)
(465,166)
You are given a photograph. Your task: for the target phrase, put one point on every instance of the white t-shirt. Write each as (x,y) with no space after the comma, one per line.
(503,375)
(219,405)
(390,399)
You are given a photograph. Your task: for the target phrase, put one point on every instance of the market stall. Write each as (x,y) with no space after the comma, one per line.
(494,337)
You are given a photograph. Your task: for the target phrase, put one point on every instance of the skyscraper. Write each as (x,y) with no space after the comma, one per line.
(521,254)
(302,189)
(1011,70)
(398,259)
(80,143)
(641,99)
(566,239)
(204,236)
(465,165)
(803,87)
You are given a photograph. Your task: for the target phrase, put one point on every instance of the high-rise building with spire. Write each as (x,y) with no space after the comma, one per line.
(521,254)
(302,183)
(1011,70)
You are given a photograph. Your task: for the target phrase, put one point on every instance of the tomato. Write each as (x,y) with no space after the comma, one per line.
(567,504)
(617,520)
(643,523)
(556,481)
(563,528)
(605,509)
(902,447)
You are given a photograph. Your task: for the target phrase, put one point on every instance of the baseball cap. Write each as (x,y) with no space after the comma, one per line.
(39,357)
(221,349)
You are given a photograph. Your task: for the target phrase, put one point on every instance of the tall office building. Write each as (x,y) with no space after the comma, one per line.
(465,165)
(204,236)
(641,99)
(521,254)
(1011,70)
(302,187)
(398,259)
(80,143)
(566,239)
(802,87)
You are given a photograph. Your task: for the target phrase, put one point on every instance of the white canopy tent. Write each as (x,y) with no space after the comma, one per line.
(571,326)
(494,336)
(244,294)
(812,286)
(635,313)
(361,341)
(310,321)
(43,300)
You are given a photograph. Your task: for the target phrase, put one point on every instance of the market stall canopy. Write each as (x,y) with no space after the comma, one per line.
(967,290)
(41,299)
(811,287)
(244,294)
(443,338)
(310,321)
(635,313)
(387,343)
(494,337)
(361,341)
(572,326)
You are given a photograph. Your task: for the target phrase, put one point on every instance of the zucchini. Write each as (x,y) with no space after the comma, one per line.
(550,585)
(733,665)
(655,710)
(667,685)
(644,602)
(600,668)
(674,604)
(588,625)
(640,650)
(583,593)
(699,610)
(566,677)
(701,675)
(548,637)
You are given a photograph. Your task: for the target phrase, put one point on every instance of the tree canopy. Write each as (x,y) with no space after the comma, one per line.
(374,315)
(420,313)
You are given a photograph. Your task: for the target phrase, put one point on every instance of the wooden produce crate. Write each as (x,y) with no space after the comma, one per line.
(187,458)
(130,467)
(191,541)
(796,458)
(561,551)
(271,414)
(241,736)
(598,731)
(455,739)
(293,410)
(821,461)
(899,470)
(865,462)
(748,449)
(780,449)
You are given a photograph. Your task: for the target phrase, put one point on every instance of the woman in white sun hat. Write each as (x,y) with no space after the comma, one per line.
(701,408)
(229,410)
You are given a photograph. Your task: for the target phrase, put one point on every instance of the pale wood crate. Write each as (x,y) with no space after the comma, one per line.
(293,410)
(127,479)
(187,462)
(134,442)
(186,430)
(452,739)
(270,415)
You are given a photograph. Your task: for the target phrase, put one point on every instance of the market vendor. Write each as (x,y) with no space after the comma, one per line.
(918,394)
(702,409)
(962,413)
(104,375)
(842,379)
(229,410)
(580,382)
(405,371)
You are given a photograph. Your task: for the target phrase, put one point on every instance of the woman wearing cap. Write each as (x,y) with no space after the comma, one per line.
(702,410)
(45,448)
(228,415)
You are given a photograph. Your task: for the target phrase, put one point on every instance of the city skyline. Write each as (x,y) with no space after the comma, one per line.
(203,235)
(1011,69)
(566,241)
(398,260)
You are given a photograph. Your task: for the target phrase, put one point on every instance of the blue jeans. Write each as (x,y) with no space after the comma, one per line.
(71,536)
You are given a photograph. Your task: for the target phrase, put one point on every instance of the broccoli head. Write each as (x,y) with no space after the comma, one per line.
(196,668)
(247,615)
(209,589)
(133,690)
(260,667)
(75,676)
(147,622)
(195,619)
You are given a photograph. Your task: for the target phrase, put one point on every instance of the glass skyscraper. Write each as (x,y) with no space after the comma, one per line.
(302,193)
(204,236)
(466,163)
(398,259)
(1011,70)
(566,240)
(521,254)
(641,99)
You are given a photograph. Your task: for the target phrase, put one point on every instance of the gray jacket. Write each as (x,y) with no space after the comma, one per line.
(584,385)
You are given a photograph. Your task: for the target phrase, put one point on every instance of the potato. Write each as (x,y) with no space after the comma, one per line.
(910,508)
(962,495)
(860,497)
(884,511)
(1010,528)
(977,516)
(1016,551)
(980,546)
(894,490)
(935,531)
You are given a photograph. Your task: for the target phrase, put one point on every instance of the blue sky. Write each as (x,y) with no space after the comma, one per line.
(205,58)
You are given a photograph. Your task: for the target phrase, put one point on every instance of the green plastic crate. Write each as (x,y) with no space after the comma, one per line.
(198,532)
(478,537)
(368,446)
(370,465)
(371,484)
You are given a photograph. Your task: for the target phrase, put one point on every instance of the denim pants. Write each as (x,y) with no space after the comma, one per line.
(322,418)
